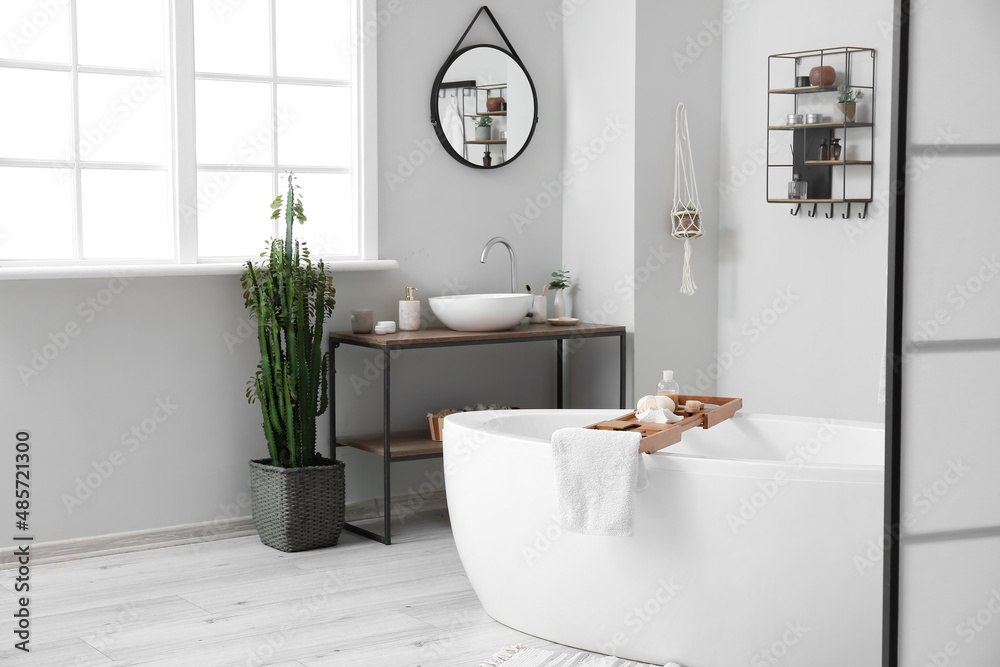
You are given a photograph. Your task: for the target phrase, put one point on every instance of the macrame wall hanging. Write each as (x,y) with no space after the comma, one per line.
(685,213)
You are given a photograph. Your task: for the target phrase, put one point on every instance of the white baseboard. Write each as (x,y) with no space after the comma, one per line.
(207,531)
(138,540)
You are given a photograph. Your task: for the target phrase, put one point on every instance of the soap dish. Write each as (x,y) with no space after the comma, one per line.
(563,321)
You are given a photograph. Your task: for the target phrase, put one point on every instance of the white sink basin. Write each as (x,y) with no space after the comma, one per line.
(481,312)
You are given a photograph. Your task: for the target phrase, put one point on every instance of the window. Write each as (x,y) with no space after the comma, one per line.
(157,131)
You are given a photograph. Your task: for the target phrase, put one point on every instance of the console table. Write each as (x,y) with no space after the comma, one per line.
(412,445)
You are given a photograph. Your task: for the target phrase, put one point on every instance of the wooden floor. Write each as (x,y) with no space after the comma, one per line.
(237,602)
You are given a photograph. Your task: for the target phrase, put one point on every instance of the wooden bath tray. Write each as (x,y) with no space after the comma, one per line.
(659,436)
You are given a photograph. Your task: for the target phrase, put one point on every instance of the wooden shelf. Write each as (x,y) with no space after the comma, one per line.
(417,444)
(486,113)
(402,444)
(808,125)
(828,177)
(488,141)
(655,437)
(817,201)
(838,161)
(441,337)
(806,89)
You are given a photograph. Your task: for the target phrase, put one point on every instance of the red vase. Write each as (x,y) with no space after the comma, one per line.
(826,73)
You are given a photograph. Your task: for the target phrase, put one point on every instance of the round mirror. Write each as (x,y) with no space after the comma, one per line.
(483,106)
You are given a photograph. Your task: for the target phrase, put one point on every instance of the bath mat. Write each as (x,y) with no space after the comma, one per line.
(522,656)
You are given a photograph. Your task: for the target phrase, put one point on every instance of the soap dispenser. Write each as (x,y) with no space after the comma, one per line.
(668,387)
(409,312)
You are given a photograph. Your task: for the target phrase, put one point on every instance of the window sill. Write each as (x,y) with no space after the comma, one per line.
(160,270)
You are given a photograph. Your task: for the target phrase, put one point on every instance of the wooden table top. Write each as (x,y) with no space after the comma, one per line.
(441,336)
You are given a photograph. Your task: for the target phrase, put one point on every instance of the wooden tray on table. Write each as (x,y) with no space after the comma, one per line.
(655,437)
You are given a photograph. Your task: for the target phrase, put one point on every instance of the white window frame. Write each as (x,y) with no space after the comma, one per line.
(183,167)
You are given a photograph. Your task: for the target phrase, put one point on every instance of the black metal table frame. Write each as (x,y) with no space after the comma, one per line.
(387,348)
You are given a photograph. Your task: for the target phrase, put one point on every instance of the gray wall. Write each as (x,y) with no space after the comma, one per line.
(673,330)
(619,151)
(166,338)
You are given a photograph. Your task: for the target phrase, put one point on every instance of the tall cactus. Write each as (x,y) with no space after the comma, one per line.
(290,298)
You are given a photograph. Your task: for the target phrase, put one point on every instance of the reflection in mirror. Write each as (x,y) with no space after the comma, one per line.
(484,108)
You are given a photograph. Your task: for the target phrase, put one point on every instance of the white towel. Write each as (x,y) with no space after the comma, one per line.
(451,121)
(597,473)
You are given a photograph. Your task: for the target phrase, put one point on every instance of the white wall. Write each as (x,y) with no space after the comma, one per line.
(163,338)
(620,66)
(822,356)
(598,204)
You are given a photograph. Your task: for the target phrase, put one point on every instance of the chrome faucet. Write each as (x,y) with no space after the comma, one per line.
(513,260)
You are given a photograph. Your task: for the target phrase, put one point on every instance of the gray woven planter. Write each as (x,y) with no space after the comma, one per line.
(295,509)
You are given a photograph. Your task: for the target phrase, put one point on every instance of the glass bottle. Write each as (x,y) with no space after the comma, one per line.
(835,148)
(824,152)
(669,387)
(797,189)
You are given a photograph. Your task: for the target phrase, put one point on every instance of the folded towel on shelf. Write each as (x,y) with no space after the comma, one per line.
(597,474)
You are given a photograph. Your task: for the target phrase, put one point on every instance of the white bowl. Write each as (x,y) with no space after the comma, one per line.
(481,312)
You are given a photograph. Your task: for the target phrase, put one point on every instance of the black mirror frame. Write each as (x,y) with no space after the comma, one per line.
(436,117)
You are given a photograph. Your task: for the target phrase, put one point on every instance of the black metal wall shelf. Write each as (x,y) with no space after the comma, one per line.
(801,126)
(838,161)
(827,179)
(815,202)
(802,89)
(471,87)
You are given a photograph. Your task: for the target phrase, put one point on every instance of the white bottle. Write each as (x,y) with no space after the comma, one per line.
(409,312)
(668,387)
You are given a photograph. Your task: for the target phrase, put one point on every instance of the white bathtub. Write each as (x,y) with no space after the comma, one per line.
(755,542)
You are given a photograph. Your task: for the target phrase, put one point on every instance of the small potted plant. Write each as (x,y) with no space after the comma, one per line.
(483,128)
(686,222)
(847,101)
(298,495)
(560,281)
